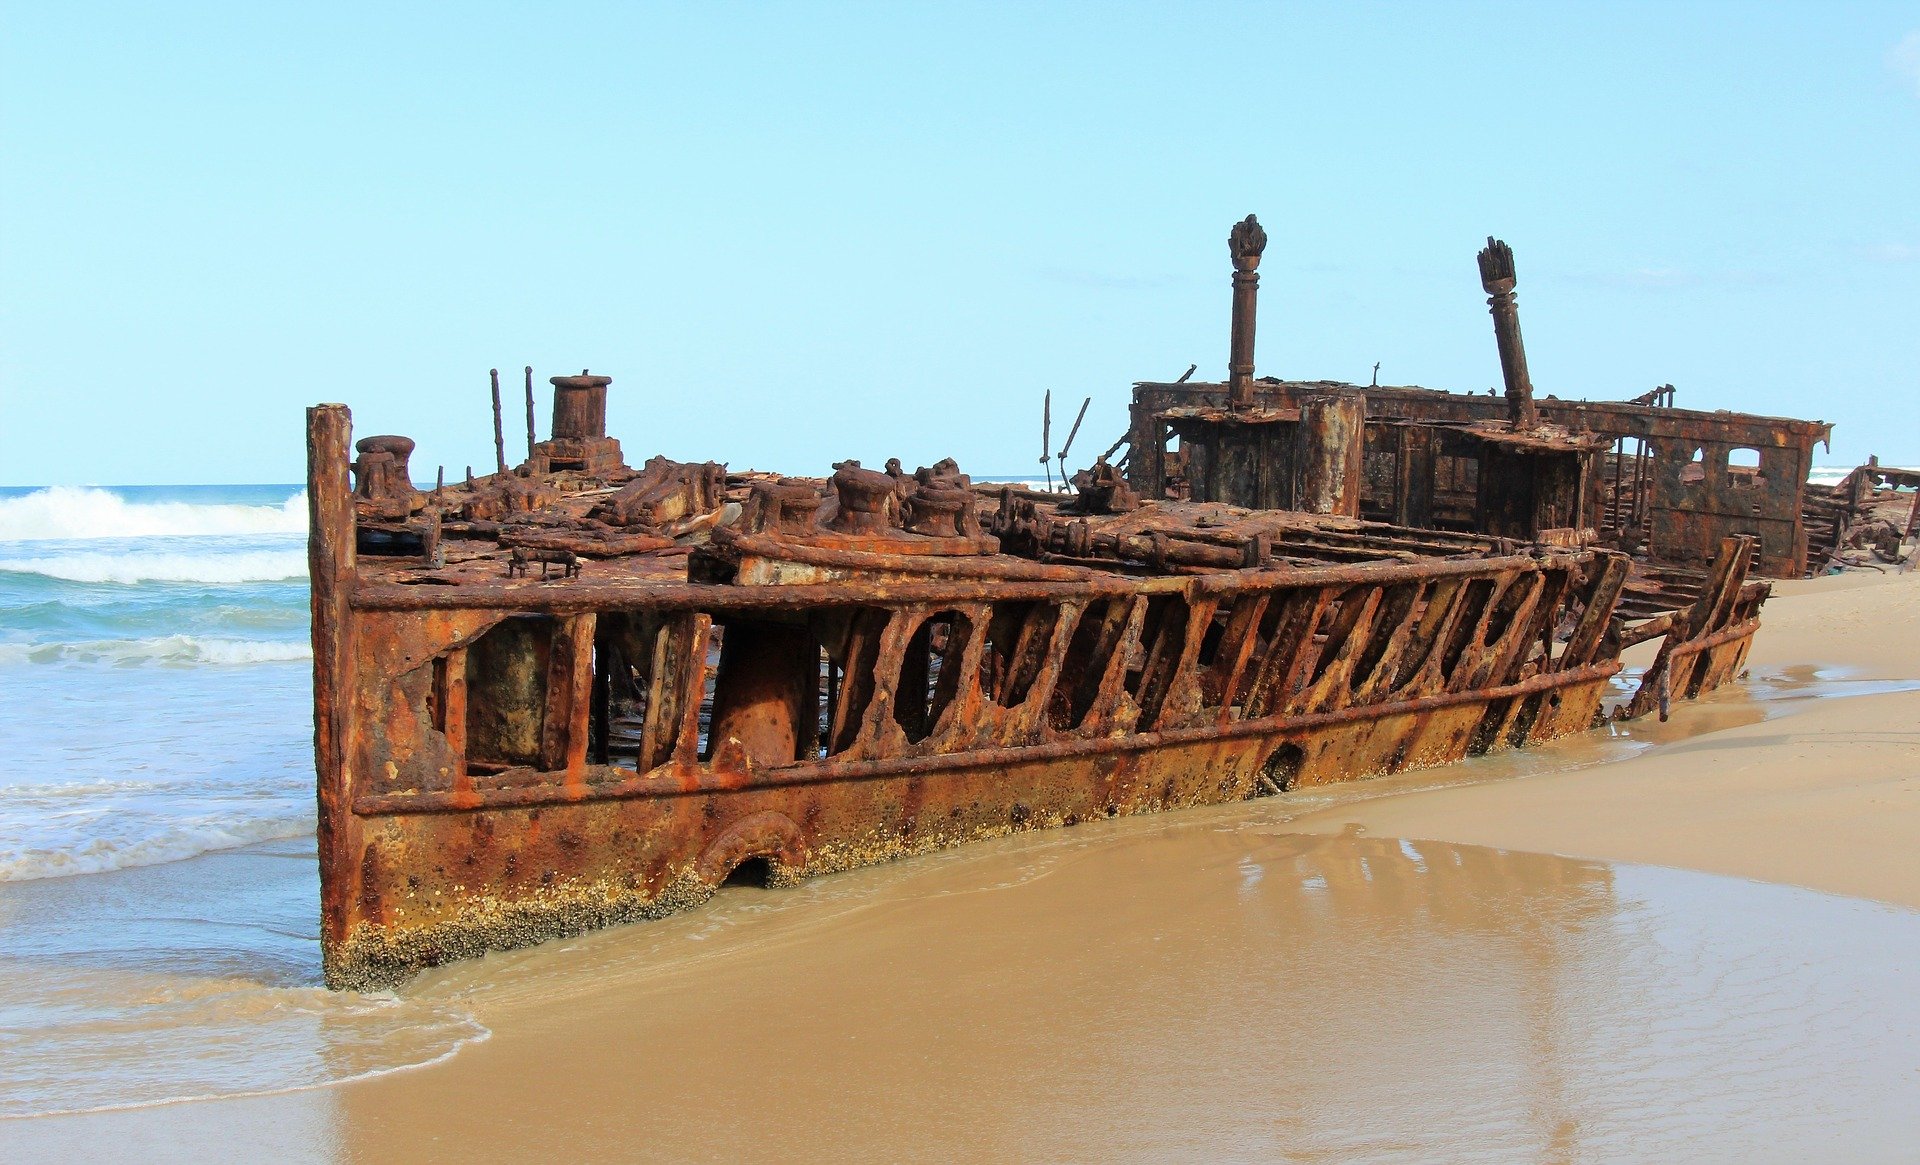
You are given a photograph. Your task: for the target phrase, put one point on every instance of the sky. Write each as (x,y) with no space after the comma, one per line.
(797,233)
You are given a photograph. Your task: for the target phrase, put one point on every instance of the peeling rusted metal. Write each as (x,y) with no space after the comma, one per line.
(1652,480)
(1863,512)
(812,674)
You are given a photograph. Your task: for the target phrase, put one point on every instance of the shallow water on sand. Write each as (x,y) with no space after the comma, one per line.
(1218,987)
(188,980)
(1200,984)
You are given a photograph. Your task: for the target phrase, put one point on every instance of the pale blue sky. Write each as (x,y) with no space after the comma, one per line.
(798,233)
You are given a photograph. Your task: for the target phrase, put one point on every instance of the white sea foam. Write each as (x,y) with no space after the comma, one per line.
(164,649)
(174,649)
(132,567)
(1834,474)
(245,1040)
(81,512)
(40,856)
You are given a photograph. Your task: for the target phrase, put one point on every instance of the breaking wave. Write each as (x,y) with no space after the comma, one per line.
(132,567)
(148,841)
(64,511)
(165,649)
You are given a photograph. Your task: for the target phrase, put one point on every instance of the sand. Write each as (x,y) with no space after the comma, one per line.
(1701,950)
(1827,798)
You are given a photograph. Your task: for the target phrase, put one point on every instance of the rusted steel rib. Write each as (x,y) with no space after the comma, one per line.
(665,782)
(1719,626)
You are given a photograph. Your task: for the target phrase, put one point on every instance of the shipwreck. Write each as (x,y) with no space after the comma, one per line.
(571,692)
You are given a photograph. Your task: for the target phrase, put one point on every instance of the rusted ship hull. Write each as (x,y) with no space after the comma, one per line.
(452,884)
(574,693)
(439,862)
(948,709)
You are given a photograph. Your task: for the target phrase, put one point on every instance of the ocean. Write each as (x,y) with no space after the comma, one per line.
(156,701)
(153,659)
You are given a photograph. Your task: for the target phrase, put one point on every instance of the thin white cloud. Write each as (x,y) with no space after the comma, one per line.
(1892,253)
(1641,278)
(1660,277)
(1904,59)
(1081,277)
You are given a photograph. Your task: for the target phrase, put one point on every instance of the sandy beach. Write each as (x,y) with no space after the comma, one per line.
(1827,798)
(1693,939)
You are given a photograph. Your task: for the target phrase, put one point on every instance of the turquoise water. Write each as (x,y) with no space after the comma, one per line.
(154,683)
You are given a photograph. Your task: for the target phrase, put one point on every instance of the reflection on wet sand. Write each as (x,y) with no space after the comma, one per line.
(1210,990)
(1209,984)
(186,980)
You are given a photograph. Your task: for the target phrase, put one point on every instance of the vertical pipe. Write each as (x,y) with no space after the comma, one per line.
(499,435)
(452,675)
(432,553)
(530,438)
(1619,463)
(330,569)
(1245,243)
(768,683)
(1639,484)
(450,678)
(600,723)
(580,636)
(1497,277)
(833,706)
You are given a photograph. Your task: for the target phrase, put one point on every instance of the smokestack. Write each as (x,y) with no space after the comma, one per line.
(1496,276)
(1245,243)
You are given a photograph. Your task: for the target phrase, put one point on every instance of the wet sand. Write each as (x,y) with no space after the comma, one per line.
(1398,971)
(1828,798)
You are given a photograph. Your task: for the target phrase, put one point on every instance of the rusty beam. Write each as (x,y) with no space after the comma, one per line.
(330,572)
(1497,277)
(1245,243)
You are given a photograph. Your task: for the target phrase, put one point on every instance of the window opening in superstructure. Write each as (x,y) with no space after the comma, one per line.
(622,680)
(1695,470)
(1744,469)
(1163,641)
